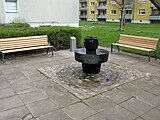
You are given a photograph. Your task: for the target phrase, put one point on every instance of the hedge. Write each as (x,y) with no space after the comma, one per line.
(58,36)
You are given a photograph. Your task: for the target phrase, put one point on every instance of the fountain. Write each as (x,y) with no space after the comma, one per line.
(91,56)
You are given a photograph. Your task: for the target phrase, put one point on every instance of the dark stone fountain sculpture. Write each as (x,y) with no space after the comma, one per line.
(91,56)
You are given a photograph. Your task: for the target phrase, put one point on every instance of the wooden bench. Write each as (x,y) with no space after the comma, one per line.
(137,42)
(10,45)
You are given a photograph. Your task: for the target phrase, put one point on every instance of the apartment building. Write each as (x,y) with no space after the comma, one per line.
(138,11)
(40,12)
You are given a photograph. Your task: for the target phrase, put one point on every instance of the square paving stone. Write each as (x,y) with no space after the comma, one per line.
(96,117)
(54,90)
(32,97)
(155,90)
(56,115)
(79,111)
(100,103)
(153,114)
(43,84)
(118,113)
(144,83)
(136,106)
(64,99)
(139,118)
(117,95)
(131,89)
(4,84)
(7,92)
(41,107)
(149,98)
(24,88)
(155,80)
(18,113)
(10,102)
(36,76)
(20,80)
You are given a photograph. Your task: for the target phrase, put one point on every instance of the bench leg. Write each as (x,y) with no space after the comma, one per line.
(155,55)
(52,51)
(2,57)
(111,48)
(149,56)
(47,50)
(117,47)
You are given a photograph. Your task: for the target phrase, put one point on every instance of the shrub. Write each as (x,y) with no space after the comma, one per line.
(16,25)
(58,36)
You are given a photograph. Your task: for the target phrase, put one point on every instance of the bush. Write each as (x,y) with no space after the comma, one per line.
(15,25)
(58,36)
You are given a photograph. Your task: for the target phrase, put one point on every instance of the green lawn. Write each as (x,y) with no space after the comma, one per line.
(108,32)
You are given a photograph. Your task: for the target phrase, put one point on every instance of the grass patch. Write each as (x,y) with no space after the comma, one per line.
(108,32)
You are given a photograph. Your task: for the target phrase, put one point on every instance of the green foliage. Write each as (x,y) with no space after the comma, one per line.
(58,36)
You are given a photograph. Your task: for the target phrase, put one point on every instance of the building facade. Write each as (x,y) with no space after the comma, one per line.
(136,11)
(40,12)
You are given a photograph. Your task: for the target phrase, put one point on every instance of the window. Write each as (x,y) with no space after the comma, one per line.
(92,12)
(141,11)
(128,11)
(142,1)
(11,5)
(113,2)
(92,3)
(113,12)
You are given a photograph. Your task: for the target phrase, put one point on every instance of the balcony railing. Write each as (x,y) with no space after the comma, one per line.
(101,0)
(102,7)
(128,16)
(82,0)
(101,16)
(83,16)
(129,6)
(154,17)
(83,8)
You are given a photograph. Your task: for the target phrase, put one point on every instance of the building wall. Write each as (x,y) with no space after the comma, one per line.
(112,17)
(2,15)
(48,12)
(135,17)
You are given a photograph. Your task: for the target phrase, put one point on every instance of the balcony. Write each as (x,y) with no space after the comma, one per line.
(154,17)
(102,7)
(83,8)
(129,6)
(128,16)
(101,0)
(83,16)
(101,16)
(82,0)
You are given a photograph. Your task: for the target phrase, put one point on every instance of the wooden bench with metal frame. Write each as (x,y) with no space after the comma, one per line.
(137,42)
(9,45)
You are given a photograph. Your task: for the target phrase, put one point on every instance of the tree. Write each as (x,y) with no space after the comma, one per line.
(156,3)
(123,5)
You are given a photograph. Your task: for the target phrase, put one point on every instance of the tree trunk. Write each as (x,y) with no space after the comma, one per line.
(156,3)
(121,21)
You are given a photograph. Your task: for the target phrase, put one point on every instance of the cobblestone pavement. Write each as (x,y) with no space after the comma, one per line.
(26,94)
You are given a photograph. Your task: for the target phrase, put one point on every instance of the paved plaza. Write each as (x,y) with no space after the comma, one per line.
(27,94)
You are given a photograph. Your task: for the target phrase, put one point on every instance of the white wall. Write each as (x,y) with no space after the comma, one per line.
(2,12)
(65,12)
(49,12)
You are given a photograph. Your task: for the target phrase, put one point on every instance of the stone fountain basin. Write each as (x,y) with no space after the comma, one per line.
(100,56)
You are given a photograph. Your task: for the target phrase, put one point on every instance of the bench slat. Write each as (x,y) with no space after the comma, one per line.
(134,47)
(25,49)
(15,43)
(137,41)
